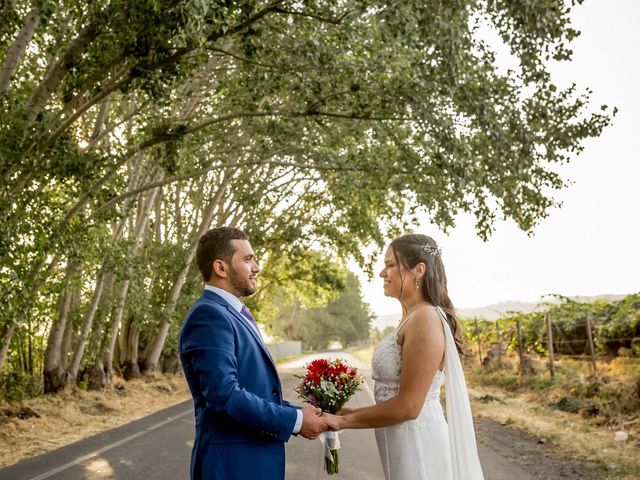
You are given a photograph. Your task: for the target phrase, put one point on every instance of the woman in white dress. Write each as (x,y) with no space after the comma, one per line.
(409,368)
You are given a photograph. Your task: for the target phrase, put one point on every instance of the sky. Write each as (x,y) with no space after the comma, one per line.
(591,244)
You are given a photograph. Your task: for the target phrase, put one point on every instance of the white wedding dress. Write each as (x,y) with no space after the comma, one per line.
(427,448)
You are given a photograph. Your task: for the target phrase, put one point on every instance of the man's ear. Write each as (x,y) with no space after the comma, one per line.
(220,269)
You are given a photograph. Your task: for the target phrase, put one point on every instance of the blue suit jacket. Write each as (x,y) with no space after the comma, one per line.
(242,421)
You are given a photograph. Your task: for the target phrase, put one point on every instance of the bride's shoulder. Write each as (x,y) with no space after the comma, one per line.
(427,311)
(425,316)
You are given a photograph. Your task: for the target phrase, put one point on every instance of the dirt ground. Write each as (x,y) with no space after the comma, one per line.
(43,424)
(49,422)
(527,457)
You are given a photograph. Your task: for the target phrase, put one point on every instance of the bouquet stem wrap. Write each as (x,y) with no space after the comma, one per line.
(331,442)
(328,385)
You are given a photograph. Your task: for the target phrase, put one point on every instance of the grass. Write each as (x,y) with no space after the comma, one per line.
(531,404)
(363,353)
(289,358)
(571,434)
(609,398)
(575,409)
(52,421)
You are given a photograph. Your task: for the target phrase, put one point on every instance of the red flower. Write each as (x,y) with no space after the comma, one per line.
(318,366)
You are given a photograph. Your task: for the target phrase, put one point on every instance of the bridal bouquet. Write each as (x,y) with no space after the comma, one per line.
(328,385)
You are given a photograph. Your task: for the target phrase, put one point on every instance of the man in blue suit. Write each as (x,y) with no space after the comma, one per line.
(242,422)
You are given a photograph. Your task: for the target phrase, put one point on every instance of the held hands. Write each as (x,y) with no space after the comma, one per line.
(313,423)
(334,422)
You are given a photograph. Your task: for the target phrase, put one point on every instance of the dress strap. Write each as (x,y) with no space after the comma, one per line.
(407,318)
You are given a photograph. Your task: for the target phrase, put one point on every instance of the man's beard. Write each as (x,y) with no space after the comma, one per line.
(243,287)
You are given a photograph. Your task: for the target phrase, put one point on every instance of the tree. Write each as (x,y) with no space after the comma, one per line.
(317,124)
(346,319)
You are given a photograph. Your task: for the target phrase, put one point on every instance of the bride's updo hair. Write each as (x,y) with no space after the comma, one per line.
(409,250)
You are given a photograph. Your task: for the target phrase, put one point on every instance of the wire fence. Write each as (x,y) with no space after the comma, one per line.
(493,339)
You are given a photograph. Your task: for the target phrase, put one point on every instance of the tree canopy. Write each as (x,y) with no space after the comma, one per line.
(129,128)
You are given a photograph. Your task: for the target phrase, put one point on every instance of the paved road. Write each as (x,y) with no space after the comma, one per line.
(158,447)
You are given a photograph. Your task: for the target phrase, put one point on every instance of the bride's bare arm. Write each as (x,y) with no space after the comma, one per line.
(348,410)
(422,354)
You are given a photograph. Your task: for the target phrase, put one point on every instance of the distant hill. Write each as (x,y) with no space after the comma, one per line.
(496,310)
(383,321)
(492,312)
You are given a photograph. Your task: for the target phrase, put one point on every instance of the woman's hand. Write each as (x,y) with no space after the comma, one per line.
(334,422)
(345,411)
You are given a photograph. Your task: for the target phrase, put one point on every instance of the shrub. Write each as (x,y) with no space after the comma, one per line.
(538,383)
(18,386)
(510,382)
(570,404)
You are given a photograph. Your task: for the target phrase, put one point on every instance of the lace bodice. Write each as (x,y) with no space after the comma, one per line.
(428,447)
(386,364)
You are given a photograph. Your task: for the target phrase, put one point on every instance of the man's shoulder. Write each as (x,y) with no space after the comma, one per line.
(204,319)
(207,307)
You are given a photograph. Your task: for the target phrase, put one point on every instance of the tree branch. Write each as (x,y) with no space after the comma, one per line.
(169,135)
(78,113)
(51,82)
(242,59)
(203,171)
(272,7)
(18,48)
(332,21)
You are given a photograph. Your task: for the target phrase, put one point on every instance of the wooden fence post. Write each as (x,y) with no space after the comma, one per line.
(499,344)
(479,345)
(592,347)
(550,345)
(520,348)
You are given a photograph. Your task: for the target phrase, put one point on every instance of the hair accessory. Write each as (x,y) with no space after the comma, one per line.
(435,251)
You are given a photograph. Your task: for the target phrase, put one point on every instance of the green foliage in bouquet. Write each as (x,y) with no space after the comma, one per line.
(329,384)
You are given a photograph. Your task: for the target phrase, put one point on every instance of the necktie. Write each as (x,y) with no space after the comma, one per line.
(247,314)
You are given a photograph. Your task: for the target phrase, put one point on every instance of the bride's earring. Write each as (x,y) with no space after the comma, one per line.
(417,285)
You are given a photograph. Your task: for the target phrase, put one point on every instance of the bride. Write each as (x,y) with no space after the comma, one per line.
(409,367)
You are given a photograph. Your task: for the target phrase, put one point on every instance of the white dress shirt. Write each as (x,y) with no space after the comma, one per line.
(237,305)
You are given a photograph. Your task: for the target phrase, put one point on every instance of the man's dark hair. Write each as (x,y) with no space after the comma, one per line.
(216,245)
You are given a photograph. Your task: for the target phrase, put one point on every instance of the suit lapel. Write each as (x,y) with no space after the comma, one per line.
(243,321)
(208,295)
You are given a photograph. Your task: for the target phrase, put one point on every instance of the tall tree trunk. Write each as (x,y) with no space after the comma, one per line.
(72,370)
(102,116)
(102,371)
(151,355)
(97,375)
(17,48)
(54,77)
(5,341)
(67,339)
(108,352)
(54,371)
(129,362)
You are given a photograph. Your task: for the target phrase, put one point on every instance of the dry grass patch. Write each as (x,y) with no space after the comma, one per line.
(571,434)
(364,354)
(42,424)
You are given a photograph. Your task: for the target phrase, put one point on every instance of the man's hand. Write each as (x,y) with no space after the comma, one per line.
(313,424)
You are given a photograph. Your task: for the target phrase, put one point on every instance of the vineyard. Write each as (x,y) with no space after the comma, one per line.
(568,328)
(580,357)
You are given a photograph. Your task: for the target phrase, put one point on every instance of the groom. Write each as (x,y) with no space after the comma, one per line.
(242,421)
